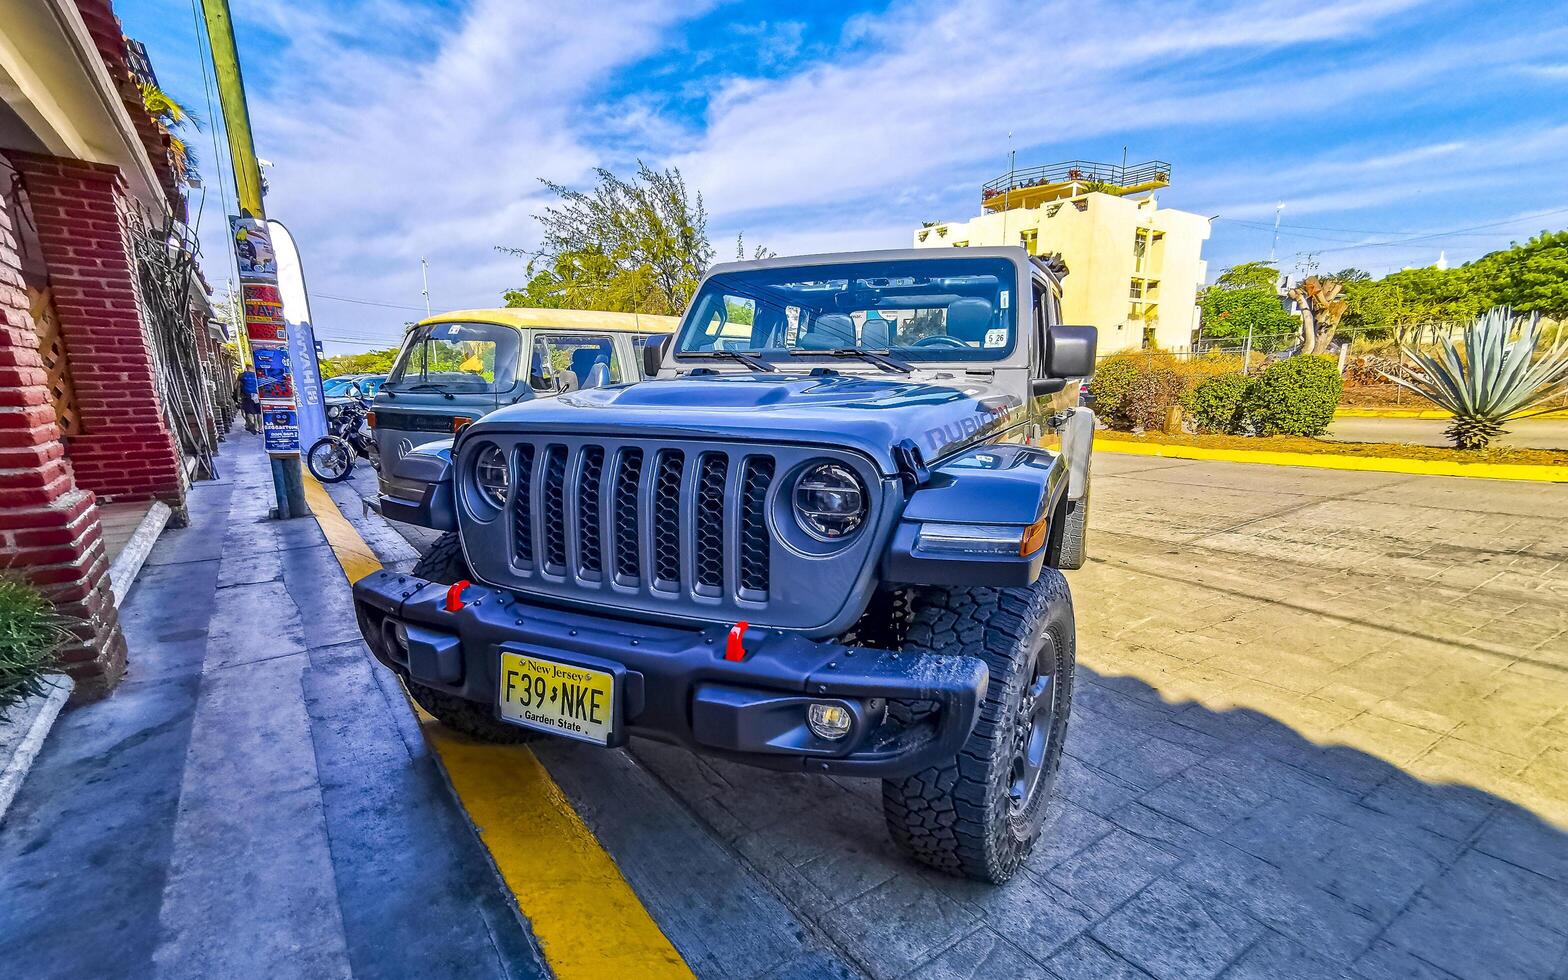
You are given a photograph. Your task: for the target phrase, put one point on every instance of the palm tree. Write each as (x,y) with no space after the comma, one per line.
(173,117)
(1495,380)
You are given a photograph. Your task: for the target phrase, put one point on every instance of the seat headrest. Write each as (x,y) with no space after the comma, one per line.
(828,332)
(875,333)
(583,359)
(968,319)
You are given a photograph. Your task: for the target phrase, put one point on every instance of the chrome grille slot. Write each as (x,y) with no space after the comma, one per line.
(755,540)
(554,515)
(628,477)
(708,562)
(590,558)
(667,519)
(522,507)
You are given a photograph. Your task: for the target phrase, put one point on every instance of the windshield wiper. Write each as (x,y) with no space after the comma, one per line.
(432,386)
(755,363)
(884,361)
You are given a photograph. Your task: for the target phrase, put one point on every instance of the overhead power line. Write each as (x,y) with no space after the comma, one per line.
(368,302)
(1349,244)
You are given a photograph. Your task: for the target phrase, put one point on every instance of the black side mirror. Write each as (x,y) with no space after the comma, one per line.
(1070,352)
(653,354)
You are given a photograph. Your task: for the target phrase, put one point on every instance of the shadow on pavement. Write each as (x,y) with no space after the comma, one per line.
(1184,842)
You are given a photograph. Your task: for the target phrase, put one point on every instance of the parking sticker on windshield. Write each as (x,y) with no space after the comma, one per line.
(996,337)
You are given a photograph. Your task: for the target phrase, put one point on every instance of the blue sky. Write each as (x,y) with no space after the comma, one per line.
(1392,130)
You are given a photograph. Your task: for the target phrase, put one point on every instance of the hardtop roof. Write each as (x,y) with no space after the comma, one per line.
(587,321)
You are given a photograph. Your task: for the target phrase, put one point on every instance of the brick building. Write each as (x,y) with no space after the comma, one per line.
(98,379)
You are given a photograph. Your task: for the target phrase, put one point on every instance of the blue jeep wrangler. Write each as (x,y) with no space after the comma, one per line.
(825,536)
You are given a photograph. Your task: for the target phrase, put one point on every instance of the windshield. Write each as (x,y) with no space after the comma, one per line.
(336,387)
(950,309)
(456,357)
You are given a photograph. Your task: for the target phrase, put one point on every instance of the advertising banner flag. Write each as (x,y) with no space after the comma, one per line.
(265,328)
(292,306)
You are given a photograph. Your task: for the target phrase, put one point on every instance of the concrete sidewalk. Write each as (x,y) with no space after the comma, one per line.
(256,798)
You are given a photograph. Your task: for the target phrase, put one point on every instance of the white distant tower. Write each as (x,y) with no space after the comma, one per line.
(1442,260)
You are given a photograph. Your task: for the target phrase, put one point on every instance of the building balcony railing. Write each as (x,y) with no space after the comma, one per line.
(1029,186)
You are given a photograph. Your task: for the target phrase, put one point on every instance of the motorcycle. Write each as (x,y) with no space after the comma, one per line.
(331,458)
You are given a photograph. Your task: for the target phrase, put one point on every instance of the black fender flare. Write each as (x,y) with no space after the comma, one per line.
(1002,490)
(429,463)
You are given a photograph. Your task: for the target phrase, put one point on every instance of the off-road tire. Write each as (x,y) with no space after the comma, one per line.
(1073,549)
(444,562)
(468,717)
(958,817)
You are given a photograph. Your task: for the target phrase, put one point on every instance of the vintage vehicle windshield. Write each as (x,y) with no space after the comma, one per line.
(456,357)
(921,310)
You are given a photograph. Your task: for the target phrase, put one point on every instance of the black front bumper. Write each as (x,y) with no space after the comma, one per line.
(677,686)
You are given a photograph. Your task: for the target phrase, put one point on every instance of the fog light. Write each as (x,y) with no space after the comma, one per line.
(829,721)
(400,637)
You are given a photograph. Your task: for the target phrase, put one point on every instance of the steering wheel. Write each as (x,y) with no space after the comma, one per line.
(939,340)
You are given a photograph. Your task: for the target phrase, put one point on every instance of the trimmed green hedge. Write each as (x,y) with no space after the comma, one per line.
(1113,378)
(1296,396)
(1219,404)
(30,633)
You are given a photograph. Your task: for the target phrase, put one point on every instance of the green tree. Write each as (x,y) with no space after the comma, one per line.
(1530,278)
(369,362)
(634,246)
(1244,299)
(1249,275)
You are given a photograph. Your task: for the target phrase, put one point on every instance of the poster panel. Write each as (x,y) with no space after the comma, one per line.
(268,334)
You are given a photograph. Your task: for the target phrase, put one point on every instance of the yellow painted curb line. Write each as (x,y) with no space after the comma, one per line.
(1538,473)
(588,920)
(1416,413)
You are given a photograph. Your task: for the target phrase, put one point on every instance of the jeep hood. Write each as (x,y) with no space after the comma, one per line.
(870,414)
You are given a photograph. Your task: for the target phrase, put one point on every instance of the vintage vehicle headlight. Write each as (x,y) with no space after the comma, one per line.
(333,411)
(492,475)
(829,501)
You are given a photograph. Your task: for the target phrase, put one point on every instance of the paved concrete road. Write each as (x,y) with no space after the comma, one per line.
(1526,434)
(1321,730)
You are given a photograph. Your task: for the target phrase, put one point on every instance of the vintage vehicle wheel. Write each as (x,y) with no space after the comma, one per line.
(468,717)
(331,459)
(1073,550)
(444,562)
(978,815)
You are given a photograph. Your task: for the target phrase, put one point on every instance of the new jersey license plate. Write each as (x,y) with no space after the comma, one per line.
(562,699)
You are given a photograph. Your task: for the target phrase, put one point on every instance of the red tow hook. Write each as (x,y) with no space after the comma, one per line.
(454,595)
(734,648)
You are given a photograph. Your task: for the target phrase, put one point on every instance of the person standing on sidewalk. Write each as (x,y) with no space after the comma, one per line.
(245,392)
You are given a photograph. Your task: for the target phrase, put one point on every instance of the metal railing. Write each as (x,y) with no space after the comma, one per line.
(1081,171)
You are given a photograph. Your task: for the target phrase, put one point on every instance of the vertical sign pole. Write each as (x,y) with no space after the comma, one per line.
(264,325)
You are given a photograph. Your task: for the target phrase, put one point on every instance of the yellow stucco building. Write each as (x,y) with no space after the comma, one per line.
(1134,268)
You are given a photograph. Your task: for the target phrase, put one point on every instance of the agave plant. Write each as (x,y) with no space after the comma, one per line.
(1494,381)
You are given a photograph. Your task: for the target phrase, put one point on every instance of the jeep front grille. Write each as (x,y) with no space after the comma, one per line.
(586,507)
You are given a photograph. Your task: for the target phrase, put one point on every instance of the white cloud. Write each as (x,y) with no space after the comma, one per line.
(942,84)
(433,145)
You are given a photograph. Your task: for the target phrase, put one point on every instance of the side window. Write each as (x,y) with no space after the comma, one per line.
(1042,300)
(577,353)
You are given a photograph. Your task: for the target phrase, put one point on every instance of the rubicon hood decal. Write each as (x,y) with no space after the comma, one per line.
(869,414)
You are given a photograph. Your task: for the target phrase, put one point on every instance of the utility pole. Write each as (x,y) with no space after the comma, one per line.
(264,331)
(424,276)
(1277,209)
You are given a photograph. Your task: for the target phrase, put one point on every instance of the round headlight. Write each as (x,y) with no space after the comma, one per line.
(829,501)
(492,474)
(334,411)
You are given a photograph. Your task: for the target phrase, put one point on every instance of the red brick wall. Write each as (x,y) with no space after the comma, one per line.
(125,450)
(49,527)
